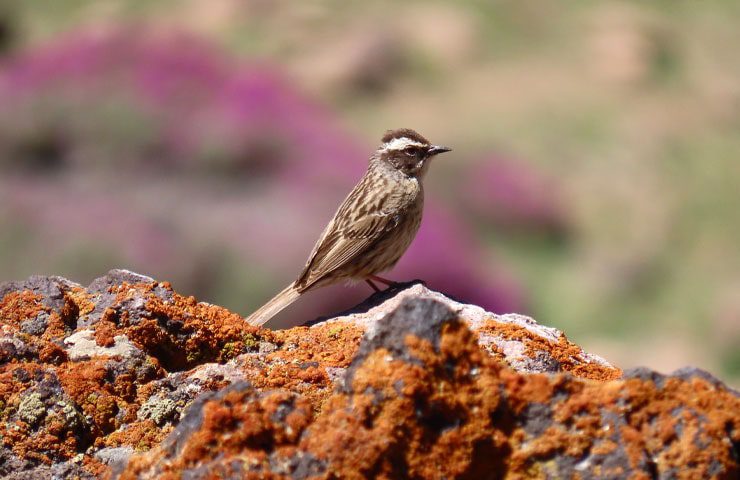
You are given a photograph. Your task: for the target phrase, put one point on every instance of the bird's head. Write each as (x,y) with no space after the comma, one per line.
(407,151)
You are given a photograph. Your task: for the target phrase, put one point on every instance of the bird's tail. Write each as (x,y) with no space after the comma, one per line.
(274,306)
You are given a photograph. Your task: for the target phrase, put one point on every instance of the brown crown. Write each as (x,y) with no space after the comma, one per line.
(404,133)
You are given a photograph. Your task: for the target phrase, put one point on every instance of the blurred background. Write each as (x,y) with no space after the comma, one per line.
(593,185)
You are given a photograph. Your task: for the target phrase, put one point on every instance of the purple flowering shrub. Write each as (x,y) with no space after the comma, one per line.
(512,195)
(217,176)
(158,102)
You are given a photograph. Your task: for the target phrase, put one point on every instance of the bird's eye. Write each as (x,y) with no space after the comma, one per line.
(410,151)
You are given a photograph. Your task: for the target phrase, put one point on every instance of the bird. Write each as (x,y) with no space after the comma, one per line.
(373,226)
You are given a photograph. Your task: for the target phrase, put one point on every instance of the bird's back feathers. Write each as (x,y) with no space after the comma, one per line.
(360,222)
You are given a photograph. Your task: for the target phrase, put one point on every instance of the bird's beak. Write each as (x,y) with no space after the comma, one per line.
(437,149)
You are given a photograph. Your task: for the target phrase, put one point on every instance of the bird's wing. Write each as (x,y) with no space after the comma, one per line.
(346,236)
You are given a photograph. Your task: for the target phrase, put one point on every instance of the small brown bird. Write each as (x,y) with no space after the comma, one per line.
(374,225)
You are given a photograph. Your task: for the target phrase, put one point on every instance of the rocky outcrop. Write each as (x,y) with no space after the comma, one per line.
(126,378)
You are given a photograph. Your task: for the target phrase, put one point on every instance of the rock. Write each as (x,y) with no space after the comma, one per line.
(159,410)
(13,467)
(104,291)
(116,457)
(258,423)
(50,289)
(517,340)
(13,348)
(117,277)
(127,377)
(82,345)
(109,368)
(36,325)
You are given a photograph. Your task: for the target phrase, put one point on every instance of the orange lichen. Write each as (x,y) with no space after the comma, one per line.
(52,353)
(432,420)
(95,466)
(299,363)
(240,424)
(16,307)
(333,344)
(568,354)
(47,440)
(202,333)
(309,380)
(105,331)
(141,436)
(86,383)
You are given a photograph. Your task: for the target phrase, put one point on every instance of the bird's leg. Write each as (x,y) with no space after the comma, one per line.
(390,283)
(374,287)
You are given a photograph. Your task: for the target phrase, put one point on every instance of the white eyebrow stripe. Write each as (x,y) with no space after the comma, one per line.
(400,144)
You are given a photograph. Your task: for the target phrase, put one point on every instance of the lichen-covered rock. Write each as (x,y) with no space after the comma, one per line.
(232,433)
(518,341)
(422,399)
(89,370)
(130,378)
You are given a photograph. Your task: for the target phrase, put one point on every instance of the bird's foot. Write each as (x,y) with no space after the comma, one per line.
(389,283)
(372,285)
